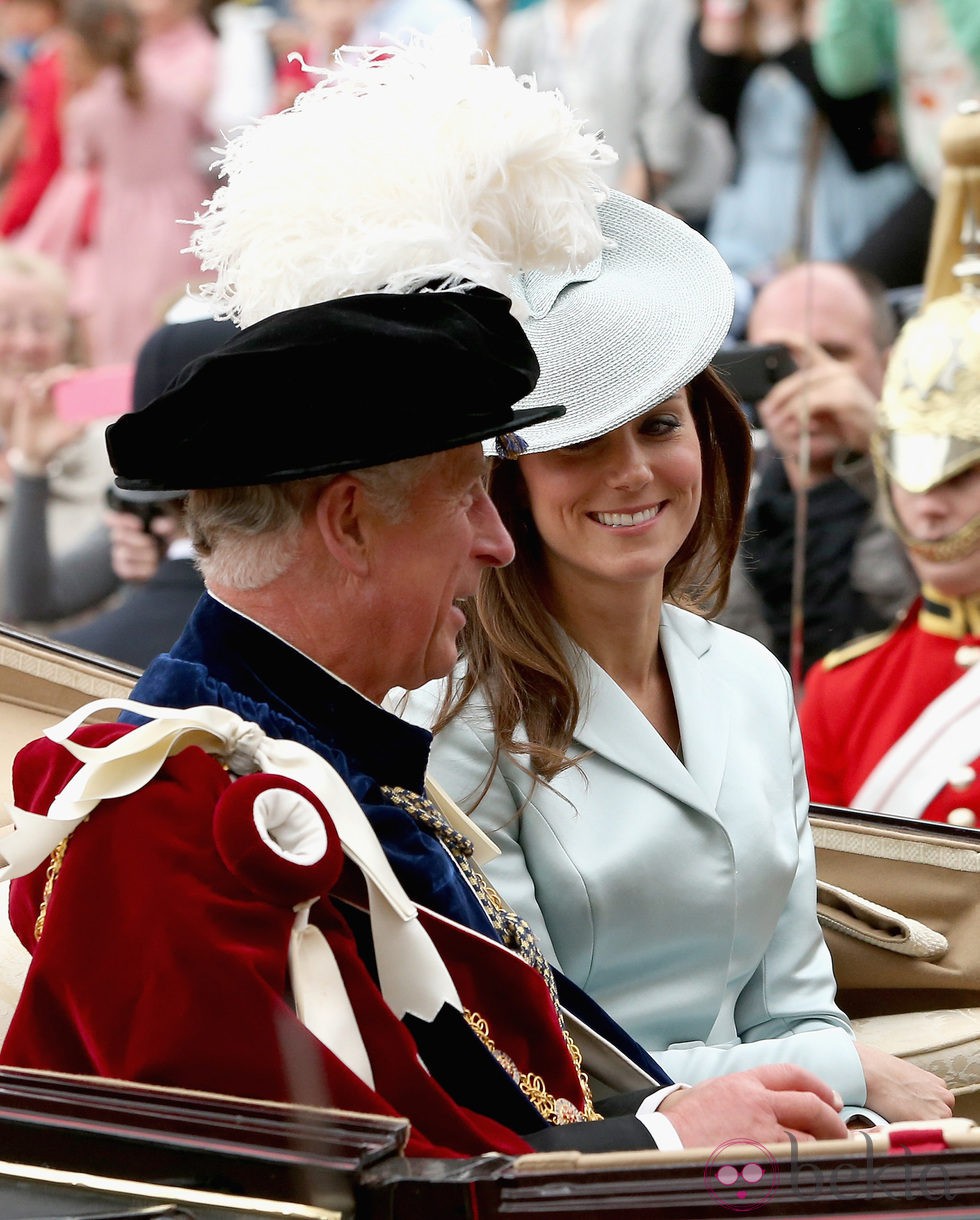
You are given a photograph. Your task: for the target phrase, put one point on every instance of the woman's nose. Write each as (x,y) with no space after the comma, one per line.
(628,466)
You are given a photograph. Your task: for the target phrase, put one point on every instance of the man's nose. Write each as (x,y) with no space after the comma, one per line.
(493,546)
(931,505)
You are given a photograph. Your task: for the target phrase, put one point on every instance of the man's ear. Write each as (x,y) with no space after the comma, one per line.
(340,513)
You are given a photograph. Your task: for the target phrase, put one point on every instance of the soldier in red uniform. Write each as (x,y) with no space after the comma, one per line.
(891,722)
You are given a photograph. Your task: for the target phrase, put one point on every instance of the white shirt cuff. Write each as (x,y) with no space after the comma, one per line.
(659,1125)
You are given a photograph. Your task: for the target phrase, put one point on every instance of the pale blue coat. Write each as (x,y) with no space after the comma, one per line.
(680,895)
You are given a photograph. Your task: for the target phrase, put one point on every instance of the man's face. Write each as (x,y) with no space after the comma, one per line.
(821,305)
(935,515)
(825,304)
(428,561)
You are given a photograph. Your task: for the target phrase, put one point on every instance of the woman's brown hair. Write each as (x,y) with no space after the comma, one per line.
(513,651)
(110,32)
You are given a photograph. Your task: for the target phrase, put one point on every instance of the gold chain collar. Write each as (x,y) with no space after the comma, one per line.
(516,934)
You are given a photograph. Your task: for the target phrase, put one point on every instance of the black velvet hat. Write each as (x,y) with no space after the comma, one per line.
(348,383)
(162,356)
(169,348)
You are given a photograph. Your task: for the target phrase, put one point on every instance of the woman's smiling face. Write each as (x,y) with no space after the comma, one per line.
(619,507)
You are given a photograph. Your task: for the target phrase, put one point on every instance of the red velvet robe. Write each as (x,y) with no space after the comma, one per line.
(163,959)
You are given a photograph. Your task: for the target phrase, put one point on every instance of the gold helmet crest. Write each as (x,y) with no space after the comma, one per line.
(929,414)
(929,417)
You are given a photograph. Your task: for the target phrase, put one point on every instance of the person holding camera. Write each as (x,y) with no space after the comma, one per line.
(837,326)
(146,535)
(815,174)
(891,721)
(125,589)
(50,468)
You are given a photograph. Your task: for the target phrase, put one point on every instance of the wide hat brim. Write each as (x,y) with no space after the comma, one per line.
(341,385)
(630,329)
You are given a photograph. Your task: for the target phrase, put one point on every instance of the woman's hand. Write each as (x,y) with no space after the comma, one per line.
(901,1091)
(34,429)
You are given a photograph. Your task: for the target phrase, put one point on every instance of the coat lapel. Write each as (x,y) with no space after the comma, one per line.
(700,694)
(613,726)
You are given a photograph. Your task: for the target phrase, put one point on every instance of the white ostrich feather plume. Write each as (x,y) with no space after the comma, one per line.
(402,165)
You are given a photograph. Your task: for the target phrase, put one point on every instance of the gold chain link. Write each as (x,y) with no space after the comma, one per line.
(555,1110)
(517,934)
(54,868)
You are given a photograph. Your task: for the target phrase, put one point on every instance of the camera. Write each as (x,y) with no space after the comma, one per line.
(146,510)
(752,369)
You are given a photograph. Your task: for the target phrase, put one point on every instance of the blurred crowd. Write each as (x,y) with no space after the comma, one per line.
(800,136)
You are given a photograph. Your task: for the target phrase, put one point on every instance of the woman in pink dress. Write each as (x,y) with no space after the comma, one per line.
(133,170)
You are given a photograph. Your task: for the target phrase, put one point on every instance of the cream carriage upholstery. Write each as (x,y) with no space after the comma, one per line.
(946,1041)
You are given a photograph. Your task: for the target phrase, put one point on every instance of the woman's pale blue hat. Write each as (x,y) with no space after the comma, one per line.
(627,331)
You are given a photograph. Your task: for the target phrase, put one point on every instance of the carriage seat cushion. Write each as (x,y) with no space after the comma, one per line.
(946,1042)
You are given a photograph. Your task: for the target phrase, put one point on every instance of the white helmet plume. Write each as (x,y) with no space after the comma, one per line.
(404,165)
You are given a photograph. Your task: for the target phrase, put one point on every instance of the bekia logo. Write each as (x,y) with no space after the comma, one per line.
(741,1175)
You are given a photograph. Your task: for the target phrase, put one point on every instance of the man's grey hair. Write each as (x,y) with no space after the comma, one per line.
(245,537)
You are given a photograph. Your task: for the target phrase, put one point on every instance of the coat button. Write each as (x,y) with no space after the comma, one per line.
(961,778)
(961,817)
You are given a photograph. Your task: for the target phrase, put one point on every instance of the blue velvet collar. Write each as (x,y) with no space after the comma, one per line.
(224,659)
(221,648)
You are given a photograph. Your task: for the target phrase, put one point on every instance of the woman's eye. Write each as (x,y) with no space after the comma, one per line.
(660,425)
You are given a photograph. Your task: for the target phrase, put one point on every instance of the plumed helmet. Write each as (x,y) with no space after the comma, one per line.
(929,417)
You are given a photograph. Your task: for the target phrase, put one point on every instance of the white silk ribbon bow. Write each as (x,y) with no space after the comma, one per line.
(412,975)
